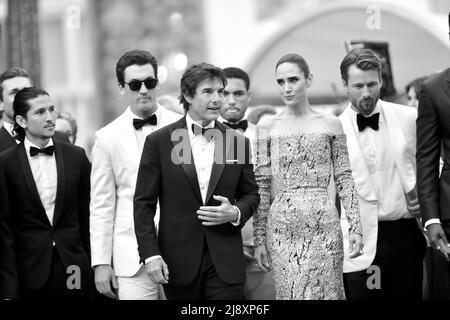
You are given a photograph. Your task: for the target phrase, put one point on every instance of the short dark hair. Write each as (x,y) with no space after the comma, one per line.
(14,72)
(236,73)
(415,84)
(138,57)
(295,59)
(21,107)
(364,59)
(196,74)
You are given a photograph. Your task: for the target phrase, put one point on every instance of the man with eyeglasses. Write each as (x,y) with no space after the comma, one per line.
(115,161)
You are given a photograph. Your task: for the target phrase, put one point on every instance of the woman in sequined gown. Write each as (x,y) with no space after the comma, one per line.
(297,228)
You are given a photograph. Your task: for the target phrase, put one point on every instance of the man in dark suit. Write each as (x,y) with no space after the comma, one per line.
(433,134)
(260,284)
(432,128)
(202,175)
(11,81)
(44,235)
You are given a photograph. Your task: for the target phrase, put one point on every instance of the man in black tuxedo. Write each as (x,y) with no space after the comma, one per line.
(432,128)
(11,81)
(259,284)
(202,175)
(433,133)
(44,222)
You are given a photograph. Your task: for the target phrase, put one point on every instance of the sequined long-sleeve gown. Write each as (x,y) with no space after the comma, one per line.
(301,227)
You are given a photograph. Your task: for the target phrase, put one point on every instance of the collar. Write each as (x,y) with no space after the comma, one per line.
(132,115)
(377,109)
(29,144)
(190,121)
(9,127)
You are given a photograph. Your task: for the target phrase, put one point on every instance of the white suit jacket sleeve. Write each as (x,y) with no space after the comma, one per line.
(103,202)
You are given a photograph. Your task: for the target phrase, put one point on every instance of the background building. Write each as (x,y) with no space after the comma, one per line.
(72,46)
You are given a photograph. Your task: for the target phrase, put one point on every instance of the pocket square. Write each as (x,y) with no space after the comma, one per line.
(232,160)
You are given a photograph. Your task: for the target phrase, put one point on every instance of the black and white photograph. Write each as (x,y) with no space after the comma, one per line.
(220,157)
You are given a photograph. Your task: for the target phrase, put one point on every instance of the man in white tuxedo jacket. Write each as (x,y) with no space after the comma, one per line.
(259,284)
(115,162)
(381,142)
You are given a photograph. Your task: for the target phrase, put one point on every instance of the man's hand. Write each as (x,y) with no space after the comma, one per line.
(158,271)
(104,277)
(262,258)
(215,215)
(355,245)
(438,239)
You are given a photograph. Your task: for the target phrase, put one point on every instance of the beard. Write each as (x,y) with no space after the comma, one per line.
(367,105)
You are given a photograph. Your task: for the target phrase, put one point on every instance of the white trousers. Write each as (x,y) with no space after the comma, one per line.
(138,287)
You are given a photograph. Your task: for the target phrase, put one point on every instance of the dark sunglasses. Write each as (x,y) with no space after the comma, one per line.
(135,85)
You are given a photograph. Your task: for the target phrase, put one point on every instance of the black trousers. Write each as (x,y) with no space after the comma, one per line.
(57,288)
(206,286)
(398,264)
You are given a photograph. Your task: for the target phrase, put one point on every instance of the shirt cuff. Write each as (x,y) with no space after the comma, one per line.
(431,221)
(238,222)
(152,258)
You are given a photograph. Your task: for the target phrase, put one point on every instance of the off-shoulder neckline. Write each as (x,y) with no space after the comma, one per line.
(280,133)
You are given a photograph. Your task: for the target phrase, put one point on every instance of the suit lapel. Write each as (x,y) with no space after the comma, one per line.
(31,184)
(128,139)
(189,165)
(164,117)
(405,165)
(221,154)
(61,181)
(447,88)
(7,139)
(358,165)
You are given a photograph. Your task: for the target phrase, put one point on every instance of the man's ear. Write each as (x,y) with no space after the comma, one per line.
(21,121)
(309,80)
(249,97)
(187,98)
(122,89)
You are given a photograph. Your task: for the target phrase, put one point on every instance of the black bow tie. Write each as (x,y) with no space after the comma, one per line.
(364,122)
(139,123)
(243,125)
(48,151)
(196,129)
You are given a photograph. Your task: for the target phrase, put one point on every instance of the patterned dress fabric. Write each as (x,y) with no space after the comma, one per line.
(301,227)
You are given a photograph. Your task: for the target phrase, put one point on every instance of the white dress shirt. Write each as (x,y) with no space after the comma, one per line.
(203,152)
(377,151)
(143,132)
(44,172)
